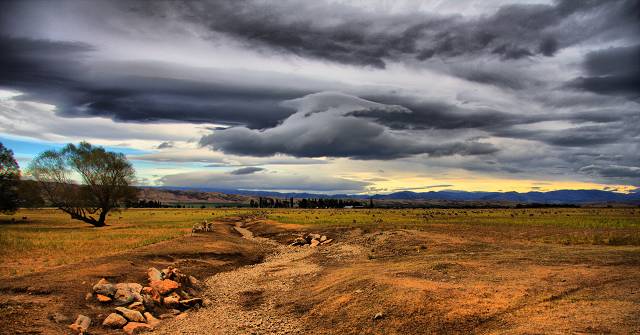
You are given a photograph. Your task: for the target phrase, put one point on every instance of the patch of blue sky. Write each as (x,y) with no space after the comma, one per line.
(29,148)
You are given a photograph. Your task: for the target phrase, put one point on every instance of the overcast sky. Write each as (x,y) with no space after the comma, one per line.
(332,96)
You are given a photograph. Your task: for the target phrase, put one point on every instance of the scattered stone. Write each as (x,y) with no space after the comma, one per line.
(299,241)
(182,316)
(136,328)
(171,300)
(81,325)
(151,320)
(378,316)
(310,240)
(104,287)
(103,298)
(164,286)
(130,315)
(137,306)
(114,320)
(154,274)
(193,281)
(152,294)
(58,317)
(188,303)
(204,226)
(126,293)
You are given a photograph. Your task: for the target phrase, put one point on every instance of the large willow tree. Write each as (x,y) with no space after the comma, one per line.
(105,180)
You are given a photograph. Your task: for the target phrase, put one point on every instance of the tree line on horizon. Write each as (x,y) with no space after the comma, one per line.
(264,202)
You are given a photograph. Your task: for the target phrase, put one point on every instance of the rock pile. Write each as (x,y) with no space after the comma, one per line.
(169,294)
(201,227)
(310,240)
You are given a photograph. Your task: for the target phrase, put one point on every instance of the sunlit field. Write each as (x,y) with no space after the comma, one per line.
(47,237)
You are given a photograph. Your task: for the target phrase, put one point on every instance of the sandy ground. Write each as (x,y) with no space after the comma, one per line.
(441,279)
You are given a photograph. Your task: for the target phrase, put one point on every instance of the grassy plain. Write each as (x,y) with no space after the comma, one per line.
(49,238)
(481,271)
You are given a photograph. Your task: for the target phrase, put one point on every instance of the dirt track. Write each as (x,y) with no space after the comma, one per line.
(443,279)
(423,282)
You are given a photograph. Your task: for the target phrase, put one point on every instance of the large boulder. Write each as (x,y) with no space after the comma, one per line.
(136,328)
(164,286)
(104,287)
(81,325)
(130,315)
(114,320)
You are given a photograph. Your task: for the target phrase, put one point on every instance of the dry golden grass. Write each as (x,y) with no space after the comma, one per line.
(49,237)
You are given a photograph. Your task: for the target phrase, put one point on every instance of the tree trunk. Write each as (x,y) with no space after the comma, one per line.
(103,217)
(76,215)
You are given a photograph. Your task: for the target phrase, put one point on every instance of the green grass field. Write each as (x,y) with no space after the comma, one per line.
(49,238)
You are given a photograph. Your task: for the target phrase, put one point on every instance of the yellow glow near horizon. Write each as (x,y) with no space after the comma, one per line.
(490,185)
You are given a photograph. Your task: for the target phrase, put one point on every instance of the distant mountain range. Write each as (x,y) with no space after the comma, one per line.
(551,197)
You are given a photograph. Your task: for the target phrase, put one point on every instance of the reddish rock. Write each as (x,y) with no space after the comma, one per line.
(151,320)
(130,315)
(136,328)
(152,293)
(164,286)
(103,298)
(114,320)
(81,325)
(171,300)
(137,306)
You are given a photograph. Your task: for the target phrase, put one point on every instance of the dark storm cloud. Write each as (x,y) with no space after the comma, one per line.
(439,115)
(324,125)
(582,136)
(354,36)
(55,72)
(613,171)
(612,71)
(246,170)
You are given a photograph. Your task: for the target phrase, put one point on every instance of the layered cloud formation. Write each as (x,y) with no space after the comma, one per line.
(254,90)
